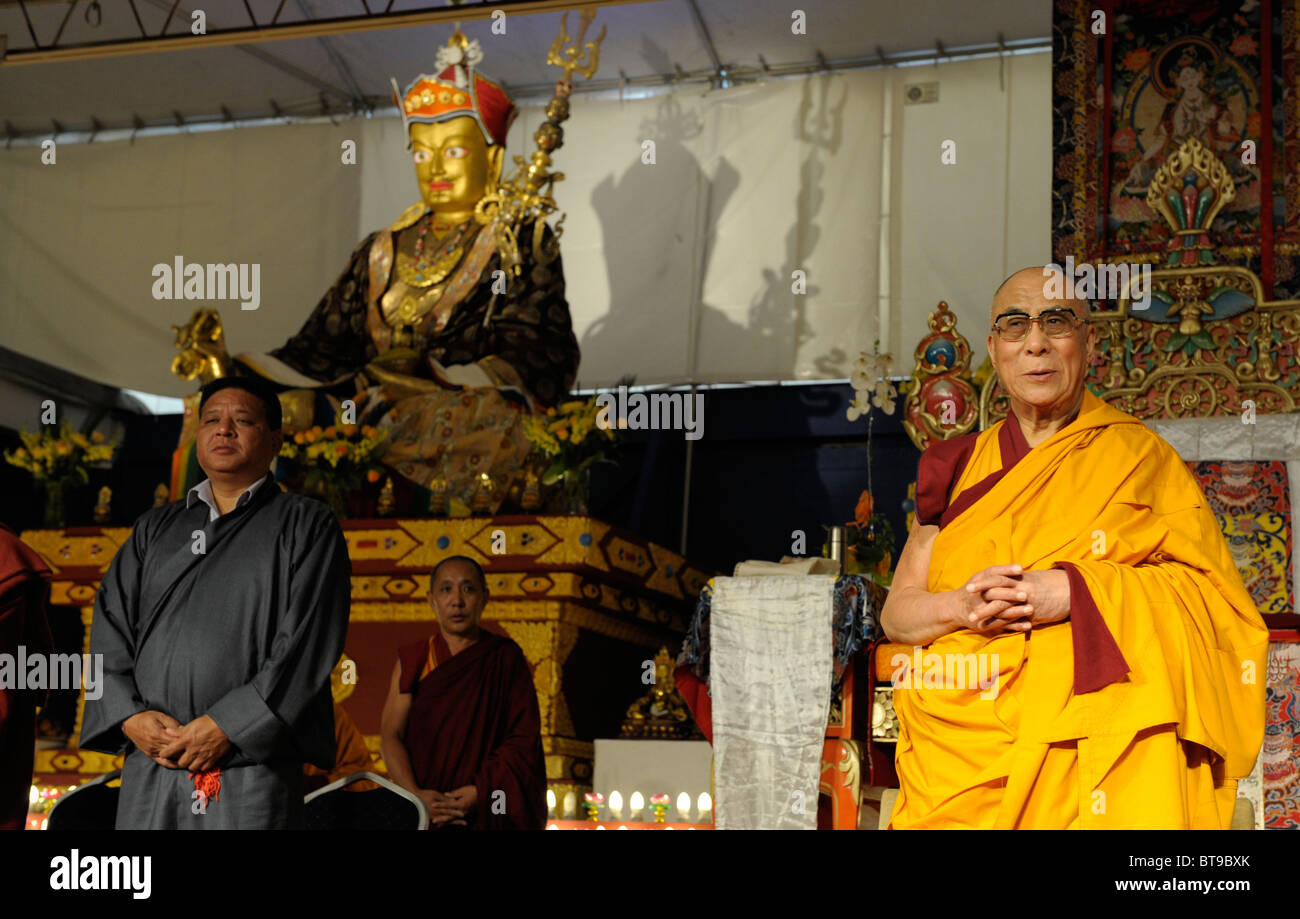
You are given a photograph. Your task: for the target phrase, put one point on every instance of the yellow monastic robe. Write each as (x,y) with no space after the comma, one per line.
(1159,748)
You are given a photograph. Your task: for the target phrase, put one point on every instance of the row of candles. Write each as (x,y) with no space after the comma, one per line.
(657,810)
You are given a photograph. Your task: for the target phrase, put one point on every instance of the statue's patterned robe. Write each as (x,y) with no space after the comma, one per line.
(521,337)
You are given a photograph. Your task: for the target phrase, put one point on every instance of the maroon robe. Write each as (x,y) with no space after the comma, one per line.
(24,589)
(474,720)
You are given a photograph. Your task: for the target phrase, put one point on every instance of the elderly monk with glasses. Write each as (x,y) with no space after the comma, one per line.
(1086,653)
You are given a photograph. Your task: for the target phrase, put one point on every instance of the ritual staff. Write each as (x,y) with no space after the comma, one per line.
(219,621)
(1067,556)
(24,589)
(461,726)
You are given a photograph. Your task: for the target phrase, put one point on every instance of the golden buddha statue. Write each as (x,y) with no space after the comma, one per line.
(450,324)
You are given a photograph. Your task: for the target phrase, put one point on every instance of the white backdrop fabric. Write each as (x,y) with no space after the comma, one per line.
(79,239)
(677,270)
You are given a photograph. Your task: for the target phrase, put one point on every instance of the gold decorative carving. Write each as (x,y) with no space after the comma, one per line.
(946,380)
(61,551)
(884,722)
(80,762)
(850,765)
(1202,366)
(1191,155)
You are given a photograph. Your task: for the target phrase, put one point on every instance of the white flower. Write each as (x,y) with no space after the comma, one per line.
(856,410)
(860,380)
(458,57)
(449,55)
(884,390)
(887,406)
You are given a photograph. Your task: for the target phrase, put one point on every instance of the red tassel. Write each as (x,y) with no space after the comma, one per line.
(207,783)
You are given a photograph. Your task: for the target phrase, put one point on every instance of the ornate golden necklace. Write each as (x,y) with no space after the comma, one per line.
(430,264)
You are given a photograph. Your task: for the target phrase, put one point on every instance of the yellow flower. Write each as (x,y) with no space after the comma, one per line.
(310,436)
(81,440)
(331,431)
(97,437)
(62,448)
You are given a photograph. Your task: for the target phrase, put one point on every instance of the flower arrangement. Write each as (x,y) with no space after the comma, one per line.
(58,461)
(868,538)
(868,542)
(871,386)
(570,442)
(338,459)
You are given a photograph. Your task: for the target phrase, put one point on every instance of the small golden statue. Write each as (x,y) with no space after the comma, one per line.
(532,496)
(484,494)
(661,714)
(438,497)
(161,495)
(386,500)
(103,512)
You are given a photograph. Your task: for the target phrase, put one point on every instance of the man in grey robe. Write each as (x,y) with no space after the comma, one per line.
(219,621)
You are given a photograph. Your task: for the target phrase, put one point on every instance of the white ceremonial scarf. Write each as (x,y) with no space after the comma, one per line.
(770,676)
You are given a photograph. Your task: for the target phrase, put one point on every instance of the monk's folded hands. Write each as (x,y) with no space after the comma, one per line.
(444,810)
(1041,597)
(993,599)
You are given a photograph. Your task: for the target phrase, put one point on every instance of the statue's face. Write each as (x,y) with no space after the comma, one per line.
(453,163)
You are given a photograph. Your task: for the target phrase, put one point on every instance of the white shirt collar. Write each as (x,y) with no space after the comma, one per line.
(203,492)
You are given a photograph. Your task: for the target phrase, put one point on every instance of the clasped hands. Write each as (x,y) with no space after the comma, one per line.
(197,746)
(1008,598)
(450,808)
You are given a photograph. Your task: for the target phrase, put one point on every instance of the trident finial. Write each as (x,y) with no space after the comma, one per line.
(569,53)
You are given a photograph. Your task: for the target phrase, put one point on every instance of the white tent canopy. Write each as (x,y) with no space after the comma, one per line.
(684,270)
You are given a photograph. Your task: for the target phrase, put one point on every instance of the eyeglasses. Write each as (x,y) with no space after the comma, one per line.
(1057,323)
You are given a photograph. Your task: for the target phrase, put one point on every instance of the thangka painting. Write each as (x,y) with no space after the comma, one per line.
(1252,500)
(1162,73)
(1281,752)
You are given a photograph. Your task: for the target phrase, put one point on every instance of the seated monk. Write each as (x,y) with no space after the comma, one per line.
(1068,556)
(461,726)
(431,329)
(353,756)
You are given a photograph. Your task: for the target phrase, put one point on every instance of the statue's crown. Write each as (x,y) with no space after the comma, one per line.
(457,90)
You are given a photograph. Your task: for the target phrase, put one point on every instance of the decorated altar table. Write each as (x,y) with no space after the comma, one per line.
(588,603)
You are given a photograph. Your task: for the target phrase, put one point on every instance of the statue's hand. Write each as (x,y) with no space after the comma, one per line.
(467,376)
(203,347)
